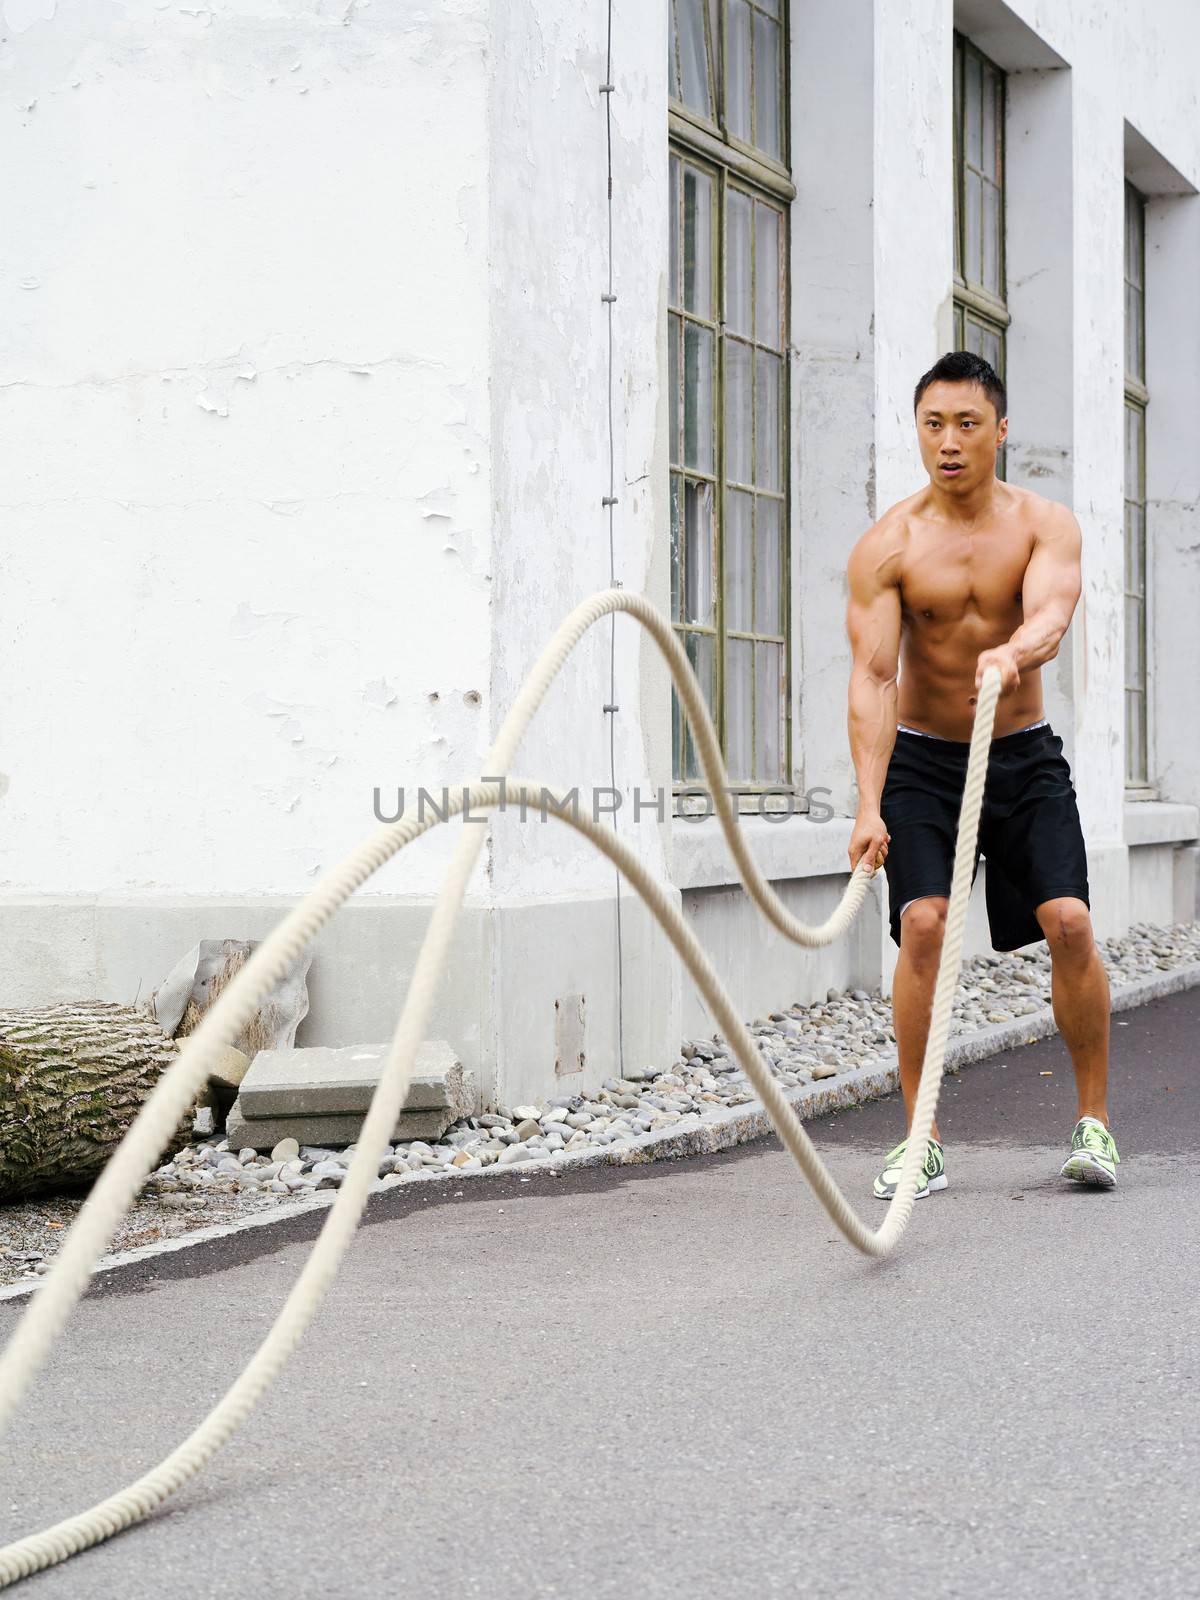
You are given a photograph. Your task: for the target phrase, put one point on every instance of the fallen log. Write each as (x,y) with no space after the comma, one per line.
(72,1078)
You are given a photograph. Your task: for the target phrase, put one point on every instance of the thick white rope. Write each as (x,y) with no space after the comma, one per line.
(114,1191)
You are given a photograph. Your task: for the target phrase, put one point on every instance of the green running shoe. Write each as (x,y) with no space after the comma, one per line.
(933,1174)
(1093,1159)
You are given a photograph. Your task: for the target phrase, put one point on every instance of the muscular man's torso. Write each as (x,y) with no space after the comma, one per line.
(960,593)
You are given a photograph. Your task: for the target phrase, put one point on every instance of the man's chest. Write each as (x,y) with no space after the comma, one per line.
(947,578)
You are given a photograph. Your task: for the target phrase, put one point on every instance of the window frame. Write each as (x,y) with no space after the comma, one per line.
(973,304)
(710,134)
(708,144)
(714,477)
(975,297)
(1136,399)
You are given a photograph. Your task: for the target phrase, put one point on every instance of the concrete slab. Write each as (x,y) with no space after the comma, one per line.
(232,1066)
(330,1132)
(325,1081)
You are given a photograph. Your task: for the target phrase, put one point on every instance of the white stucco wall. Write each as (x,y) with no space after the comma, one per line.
(303,371)
(1173,490)
(245,472)
(914,218)
(833,462)
(1065,232)
(1119,100)
(550,474)
(549,398)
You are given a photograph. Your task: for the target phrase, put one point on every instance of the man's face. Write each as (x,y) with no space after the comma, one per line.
(959,434)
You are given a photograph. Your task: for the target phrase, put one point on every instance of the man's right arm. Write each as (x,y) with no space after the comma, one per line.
(873,623)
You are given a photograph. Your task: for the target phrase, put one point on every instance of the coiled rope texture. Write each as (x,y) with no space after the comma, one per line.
(114,1191)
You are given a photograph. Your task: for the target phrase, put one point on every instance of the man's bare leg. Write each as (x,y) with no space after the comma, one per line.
(1080,994)
(922,929)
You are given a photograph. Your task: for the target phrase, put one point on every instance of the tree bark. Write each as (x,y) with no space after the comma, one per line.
(72,1079)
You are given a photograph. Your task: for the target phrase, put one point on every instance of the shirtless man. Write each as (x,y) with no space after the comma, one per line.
(966,574)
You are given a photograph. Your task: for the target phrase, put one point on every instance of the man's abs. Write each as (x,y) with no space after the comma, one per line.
(938,696)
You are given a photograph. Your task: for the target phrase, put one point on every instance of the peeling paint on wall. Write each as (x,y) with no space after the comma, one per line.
(247,622)
(21,15)
(380,694)
(436,503)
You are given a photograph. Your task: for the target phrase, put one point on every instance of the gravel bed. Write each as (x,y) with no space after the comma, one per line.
(210,1184)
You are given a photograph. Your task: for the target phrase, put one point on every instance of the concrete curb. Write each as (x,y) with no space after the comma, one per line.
(720,1130)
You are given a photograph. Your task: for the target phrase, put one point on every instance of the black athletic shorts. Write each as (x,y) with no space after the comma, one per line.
(1029,829)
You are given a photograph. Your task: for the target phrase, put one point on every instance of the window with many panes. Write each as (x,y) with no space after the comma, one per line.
(980,309)
(1136,399)
(727,340)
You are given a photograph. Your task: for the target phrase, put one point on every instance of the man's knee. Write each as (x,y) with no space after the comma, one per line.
(923,926)
(1067,925)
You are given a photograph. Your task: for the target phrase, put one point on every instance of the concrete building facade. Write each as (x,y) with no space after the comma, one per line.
(304,387)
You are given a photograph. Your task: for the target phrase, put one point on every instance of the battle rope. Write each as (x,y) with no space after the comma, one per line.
(114,1191)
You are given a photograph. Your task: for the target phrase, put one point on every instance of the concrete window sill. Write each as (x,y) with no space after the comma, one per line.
(1160,822)
(792,848)
(800,848)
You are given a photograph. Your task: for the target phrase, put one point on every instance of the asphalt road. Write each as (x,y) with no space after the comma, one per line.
(676,1380)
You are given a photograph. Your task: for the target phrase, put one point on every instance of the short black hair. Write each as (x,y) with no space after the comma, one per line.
(963,366)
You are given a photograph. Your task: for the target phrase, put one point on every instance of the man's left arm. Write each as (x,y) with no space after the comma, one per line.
(1050,592)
